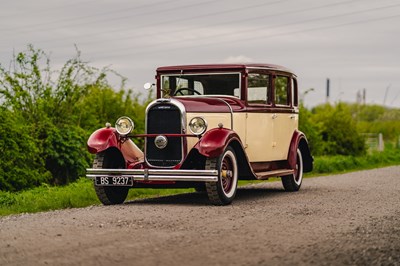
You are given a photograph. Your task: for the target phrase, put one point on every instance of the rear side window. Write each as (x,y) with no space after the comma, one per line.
(282,90)
(257,88)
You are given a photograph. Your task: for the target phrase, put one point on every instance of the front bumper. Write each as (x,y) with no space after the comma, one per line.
(156,174)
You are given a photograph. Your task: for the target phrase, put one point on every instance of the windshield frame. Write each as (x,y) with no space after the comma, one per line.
(164,92)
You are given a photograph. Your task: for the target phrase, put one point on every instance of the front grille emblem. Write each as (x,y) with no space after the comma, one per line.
(161,142)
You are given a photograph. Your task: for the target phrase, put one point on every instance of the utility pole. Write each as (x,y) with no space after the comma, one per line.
(327,90)
(386,93)
(364,96)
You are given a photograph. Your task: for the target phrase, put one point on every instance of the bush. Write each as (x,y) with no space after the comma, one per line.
(65,153)
(20,164)
(53,113)
(332,130)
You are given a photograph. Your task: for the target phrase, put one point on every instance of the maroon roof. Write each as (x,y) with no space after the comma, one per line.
(222,67)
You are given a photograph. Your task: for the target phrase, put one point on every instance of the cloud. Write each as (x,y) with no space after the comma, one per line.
(238,59)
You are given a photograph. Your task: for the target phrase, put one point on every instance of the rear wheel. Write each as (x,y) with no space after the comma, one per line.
(223,191)
(109,195)
(293,182)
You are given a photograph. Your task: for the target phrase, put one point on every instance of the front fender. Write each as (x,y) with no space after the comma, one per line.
(214,142)
(102,139)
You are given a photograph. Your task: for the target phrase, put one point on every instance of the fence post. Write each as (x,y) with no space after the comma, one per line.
(381,146)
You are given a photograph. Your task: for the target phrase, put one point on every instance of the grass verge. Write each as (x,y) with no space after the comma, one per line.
(81,193)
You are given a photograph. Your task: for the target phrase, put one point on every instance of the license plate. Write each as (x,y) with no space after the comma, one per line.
(114,181)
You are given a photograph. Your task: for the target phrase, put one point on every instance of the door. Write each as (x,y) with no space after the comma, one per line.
(285,117)
(258,140)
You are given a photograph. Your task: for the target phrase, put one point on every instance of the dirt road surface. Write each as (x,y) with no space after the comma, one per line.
(349,219)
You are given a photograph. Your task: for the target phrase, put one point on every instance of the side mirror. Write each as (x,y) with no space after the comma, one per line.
(148,85)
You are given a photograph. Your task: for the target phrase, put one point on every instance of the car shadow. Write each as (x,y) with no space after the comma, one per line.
(242,195)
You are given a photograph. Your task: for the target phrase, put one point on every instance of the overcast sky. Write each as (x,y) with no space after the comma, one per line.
(354,43)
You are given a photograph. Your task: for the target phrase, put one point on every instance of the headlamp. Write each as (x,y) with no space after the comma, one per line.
(124,125)
(197,125)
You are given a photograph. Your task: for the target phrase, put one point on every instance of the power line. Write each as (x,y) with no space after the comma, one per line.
(214,24)
(248,31)
(255,38)
(260,28)
(29,28)
(176,20)
(41,11)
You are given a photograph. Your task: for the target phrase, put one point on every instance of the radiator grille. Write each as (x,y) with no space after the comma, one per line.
(164,118)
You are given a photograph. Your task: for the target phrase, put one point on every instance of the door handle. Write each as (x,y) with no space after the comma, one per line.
(274,116)
(292,116)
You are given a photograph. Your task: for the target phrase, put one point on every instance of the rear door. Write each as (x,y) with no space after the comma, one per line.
(285,115)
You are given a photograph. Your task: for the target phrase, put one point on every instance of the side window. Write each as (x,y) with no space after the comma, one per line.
(257,88)
(282,90)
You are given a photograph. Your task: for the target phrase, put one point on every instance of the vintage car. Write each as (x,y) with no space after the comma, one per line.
(209,126)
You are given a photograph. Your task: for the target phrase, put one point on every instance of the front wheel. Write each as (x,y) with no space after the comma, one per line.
(109,195)
(223,191)
(293,182)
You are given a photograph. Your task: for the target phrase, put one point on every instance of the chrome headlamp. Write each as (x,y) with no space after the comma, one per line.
(124,125)
(198,125)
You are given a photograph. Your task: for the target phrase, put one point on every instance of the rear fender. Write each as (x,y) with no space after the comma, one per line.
(214,142)
(102,139)
(299,140)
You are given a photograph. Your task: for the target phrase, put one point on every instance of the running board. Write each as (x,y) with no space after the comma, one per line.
(268,174)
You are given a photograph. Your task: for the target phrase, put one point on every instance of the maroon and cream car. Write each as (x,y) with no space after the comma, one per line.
(209,126)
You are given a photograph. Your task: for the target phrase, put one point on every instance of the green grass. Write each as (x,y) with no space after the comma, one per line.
(74,195)
(340,164)
(81,193)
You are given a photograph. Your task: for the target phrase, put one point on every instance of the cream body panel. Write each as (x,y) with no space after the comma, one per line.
(284,126)
(131,152)
(259,137)
(239,126)
(213,119)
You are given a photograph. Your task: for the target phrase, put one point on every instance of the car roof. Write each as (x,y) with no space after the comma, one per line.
(239,66)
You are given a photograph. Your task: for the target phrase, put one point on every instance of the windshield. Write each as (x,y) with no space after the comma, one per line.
(201,84)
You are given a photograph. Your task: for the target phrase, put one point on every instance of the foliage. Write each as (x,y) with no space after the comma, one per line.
(310,128)
(332,130)
(20,165)
(109,105)
(54,113)
(65,153)
(378,119)
(340,163)
(337,130)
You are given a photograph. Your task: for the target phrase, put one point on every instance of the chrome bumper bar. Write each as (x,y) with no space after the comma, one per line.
(156,174)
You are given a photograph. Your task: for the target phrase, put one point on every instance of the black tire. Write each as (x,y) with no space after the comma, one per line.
(223,191)
(293,182)
(109,195)
(200,188)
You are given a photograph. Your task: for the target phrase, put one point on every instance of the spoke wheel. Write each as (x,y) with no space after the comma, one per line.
(223,191)
(293,182)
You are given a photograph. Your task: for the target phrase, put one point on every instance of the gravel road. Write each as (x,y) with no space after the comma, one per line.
(349,219)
